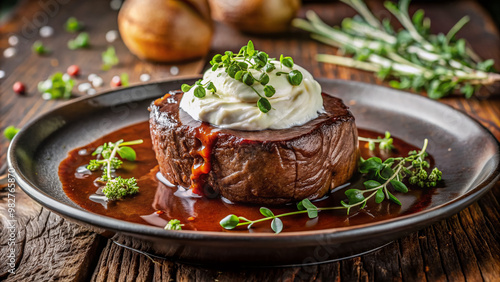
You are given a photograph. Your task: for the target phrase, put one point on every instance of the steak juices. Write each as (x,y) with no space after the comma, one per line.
(230,135)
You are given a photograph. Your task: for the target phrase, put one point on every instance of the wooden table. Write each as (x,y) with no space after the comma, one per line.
(465,246)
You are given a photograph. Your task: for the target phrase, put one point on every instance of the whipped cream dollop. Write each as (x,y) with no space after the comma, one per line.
(234,104)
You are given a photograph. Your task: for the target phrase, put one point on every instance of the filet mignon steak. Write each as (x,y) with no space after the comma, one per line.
(261,167)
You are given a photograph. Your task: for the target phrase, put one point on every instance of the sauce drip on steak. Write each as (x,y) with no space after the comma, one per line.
(264,167)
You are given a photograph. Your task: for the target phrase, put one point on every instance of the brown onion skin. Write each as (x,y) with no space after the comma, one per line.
(256,16)
(166,30)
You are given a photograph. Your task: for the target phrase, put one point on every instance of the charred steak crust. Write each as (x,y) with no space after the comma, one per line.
(262,167)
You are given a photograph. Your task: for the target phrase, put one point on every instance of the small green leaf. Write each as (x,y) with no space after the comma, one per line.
(386,172)
(370,184)
(286,61)
(127,153)
(186,87)
(371,164)
(312,213)
(248,79)
(199,92)
(264,78)
(379,197)
(399,186)
(276,225)
(307,204)
(10,131)
(295,77)
(250,48)
(229,222)
(266,212)
(354,196)
(264,105)
(269,91)
(393,198)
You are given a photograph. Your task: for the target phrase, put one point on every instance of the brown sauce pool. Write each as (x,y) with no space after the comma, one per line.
(157,203)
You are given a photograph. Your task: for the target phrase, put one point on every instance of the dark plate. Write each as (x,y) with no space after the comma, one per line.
(466,152)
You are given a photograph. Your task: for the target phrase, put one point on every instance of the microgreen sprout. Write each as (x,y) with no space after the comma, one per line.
(39,48)
(383,177)
(73,25)
(383,143)
(10,131)
(438,63)
(57,86)
(109,58)
(238,67)
(116,187)
(174,224)
(81,41)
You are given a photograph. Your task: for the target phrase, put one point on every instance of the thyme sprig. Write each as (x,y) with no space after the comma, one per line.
(383,177)
(441,64)
(116,187)
(384,143)
(238,67)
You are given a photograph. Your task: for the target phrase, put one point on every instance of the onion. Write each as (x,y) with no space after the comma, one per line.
(255,16)
(166,30)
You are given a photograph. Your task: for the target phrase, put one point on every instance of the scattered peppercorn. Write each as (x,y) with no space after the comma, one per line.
(19,88)
(73,70)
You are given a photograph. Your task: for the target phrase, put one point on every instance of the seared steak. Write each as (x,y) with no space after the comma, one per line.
(262,167)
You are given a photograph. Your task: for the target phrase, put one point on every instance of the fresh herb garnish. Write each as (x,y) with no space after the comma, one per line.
(56,86)
(238,67)
(382,177)
(174,224)
(109,58)
(383,143)
(124,79)
(73,25)
(81,41)
(10,131)
(115,188)
(39,48)
(441,64)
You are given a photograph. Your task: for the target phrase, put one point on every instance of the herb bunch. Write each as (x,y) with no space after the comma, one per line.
(57,86)
(174,224)
(238,67)
(383,177)
(440,64)
(116,187)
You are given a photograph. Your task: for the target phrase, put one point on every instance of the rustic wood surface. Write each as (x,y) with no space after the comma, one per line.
(463,247)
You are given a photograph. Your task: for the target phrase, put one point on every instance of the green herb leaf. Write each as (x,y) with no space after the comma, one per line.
(174,224)
(264,105)
(370,184)
(186,87)
(118,187)
(127,153)
(109,58)
(73,25)
(39,48)
(295,77)
(250,48)
(276,225)
(10,131)
(230,221)
(354,196)
(199,92)
(81,41)
(266,212)
(57,85)
(399,186)
(269,91)
(380,196)
(393,198)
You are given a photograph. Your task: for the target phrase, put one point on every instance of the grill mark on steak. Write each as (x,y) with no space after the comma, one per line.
(264,167)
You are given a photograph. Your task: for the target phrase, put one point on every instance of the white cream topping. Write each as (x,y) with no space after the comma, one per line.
(234,104)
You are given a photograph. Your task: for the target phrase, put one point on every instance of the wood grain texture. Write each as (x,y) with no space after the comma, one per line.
(464,247)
